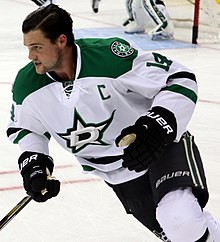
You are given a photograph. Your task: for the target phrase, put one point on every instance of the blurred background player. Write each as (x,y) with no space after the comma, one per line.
(95,5)
(43,2)
(139,14)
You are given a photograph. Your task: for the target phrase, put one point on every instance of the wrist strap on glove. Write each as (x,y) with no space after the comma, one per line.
(29,159)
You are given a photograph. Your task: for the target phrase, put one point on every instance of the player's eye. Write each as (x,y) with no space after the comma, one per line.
(37,47)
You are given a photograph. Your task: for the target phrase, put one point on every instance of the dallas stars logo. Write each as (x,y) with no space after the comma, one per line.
(121,50)
(83,134)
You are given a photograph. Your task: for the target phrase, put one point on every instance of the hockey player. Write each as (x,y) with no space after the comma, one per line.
(95,5)
(89,94)
(139,14)
(43,2)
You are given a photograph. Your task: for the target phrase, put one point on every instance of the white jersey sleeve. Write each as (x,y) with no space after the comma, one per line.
(167,83)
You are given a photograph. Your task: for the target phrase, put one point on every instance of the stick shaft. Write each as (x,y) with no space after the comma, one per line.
(14,211)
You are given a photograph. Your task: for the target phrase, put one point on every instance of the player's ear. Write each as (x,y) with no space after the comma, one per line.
(61,41)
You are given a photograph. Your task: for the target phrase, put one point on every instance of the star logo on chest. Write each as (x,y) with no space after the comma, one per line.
(83,134)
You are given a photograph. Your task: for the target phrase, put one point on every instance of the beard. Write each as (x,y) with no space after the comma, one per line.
(54,64)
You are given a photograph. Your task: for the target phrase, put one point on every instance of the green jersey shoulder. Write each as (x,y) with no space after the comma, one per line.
(110,57)
(28,81)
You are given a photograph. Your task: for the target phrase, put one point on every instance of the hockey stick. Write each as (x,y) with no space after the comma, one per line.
(125,141)
(14,211)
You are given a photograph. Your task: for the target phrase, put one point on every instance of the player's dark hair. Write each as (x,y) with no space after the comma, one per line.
(52,21)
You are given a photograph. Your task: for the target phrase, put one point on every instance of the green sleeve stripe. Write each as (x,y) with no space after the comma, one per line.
(87,168)
(25,132)
(182,90)
(21,135)
(48,136)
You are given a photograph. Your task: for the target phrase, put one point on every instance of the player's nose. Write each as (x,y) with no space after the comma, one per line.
(32,55)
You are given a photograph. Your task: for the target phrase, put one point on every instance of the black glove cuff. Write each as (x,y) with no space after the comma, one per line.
(28,159)
(163,120)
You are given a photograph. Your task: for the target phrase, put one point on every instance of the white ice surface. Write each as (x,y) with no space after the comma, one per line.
(86,210)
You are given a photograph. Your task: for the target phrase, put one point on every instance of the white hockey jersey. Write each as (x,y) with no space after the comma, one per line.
(115,84)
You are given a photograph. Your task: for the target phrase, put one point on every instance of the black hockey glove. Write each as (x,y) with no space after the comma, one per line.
(153,132)
(36,169)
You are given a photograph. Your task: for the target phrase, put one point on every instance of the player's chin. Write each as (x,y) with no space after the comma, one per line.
(40,69)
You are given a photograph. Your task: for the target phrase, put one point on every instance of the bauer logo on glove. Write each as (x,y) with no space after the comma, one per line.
(147,138)
(36,169)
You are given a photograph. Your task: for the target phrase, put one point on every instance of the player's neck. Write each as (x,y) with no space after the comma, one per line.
(67,70)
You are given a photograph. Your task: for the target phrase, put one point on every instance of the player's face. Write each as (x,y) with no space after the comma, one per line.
(45,55)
